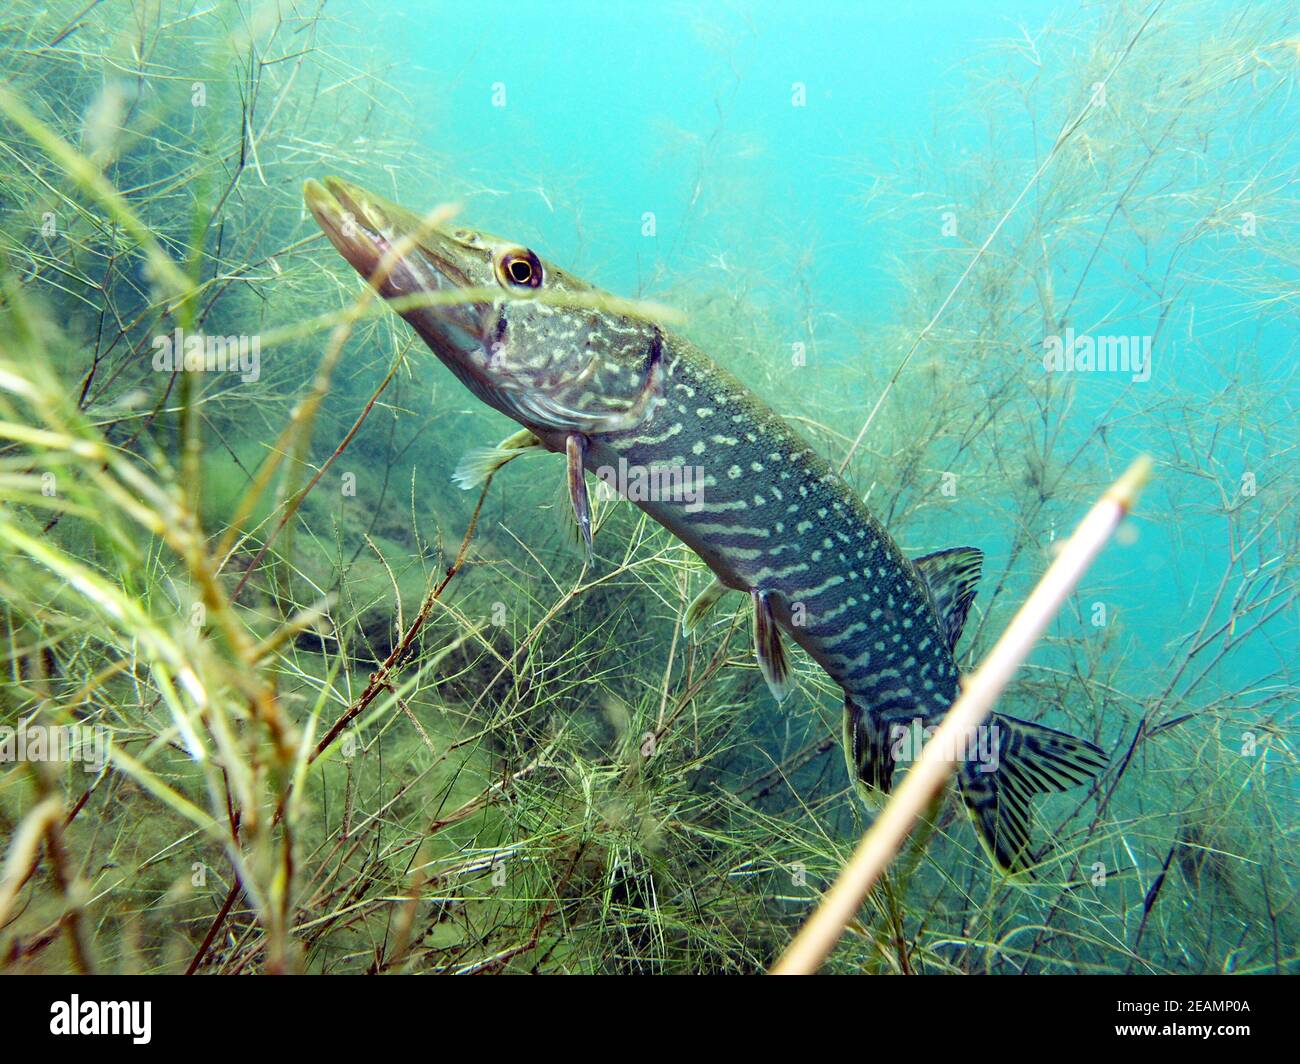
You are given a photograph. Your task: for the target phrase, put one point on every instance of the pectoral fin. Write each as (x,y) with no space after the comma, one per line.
(479,464)
(575,450)
(772,662)
(702,604)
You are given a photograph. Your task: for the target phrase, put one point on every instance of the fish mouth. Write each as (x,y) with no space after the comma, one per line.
(336,212)
(401,255)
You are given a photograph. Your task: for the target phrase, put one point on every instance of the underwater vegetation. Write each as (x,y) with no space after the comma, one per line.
(322,710)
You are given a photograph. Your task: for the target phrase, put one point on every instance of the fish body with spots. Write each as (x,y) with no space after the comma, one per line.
(772,515)
(593,380)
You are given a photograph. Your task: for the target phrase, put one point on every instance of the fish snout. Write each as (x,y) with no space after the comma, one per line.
(350,220)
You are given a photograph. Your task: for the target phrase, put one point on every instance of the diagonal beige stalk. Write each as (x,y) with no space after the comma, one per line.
(881,843)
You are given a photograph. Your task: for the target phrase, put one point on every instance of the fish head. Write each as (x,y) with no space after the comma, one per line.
(526,336)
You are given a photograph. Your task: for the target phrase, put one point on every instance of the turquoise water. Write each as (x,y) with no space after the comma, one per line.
(611,112)
(880,218)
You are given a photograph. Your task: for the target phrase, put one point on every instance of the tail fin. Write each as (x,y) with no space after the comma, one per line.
(1031,759)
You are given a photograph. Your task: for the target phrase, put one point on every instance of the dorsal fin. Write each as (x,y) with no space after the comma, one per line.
(951,576)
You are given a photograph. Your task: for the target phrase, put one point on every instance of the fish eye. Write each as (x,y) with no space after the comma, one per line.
(519,268)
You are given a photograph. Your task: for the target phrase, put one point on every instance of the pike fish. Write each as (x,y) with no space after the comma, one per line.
(606,388)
